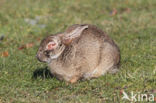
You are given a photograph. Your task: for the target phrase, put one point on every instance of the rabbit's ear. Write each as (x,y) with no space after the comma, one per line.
(67,39)
(51,45)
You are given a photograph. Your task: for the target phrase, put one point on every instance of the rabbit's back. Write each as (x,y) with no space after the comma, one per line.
(87,51)
(95,52)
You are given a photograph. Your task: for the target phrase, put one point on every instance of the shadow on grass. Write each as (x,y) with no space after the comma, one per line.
(43,73)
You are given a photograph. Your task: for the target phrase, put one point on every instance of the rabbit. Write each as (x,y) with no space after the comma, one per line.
(82,51)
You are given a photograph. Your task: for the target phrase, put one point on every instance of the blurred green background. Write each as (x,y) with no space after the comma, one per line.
(24,23)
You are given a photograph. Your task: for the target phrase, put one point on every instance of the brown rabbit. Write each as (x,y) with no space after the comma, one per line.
(82,51)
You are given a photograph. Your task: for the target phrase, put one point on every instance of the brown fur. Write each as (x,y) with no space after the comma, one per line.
(89,55)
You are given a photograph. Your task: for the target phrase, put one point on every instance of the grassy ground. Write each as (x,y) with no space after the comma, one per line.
(23,23)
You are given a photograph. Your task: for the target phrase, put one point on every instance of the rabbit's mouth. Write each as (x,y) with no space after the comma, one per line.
(47,60)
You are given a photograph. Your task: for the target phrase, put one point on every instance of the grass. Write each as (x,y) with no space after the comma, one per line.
(25,22)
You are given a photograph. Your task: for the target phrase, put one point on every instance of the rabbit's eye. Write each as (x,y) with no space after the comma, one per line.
(60,44)
(46,53)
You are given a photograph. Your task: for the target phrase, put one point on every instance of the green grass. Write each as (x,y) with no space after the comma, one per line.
(24,80)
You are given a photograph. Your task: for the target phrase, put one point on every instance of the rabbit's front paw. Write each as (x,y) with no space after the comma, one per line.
(74,80)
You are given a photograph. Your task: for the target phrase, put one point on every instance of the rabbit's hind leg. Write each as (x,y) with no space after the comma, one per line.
(106,65)
(102,70)
(74,79)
